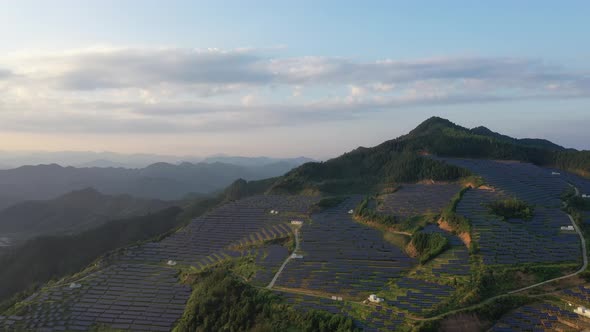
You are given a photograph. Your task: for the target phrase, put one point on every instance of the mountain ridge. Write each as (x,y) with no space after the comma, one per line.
(73,212)
(161,180)
(403,159)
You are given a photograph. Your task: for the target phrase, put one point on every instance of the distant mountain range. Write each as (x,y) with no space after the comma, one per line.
(163,181)
(12,159)
(72,213)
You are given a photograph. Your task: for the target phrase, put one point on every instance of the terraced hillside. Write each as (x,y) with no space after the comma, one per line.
(343,258)
(417,199)
(141,292)
(462,243)
(332,262)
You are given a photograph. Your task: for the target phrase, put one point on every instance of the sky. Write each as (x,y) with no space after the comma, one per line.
(286,78)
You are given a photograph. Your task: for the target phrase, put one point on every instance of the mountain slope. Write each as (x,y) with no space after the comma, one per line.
(441,137)
(157,181)
(48,257)
(402,159)
(73,212)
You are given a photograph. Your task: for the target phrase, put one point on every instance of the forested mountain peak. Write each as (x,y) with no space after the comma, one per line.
(403,159)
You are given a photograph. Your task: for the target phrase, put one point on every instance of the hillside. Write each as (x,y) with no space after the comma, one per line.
(404,159)
(50,257)
(158,181)
(443,138)
(44,258)
(73,212)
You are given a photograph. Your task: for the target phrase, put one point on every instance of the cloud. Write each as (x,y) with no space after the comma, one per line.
(5,73)
(168,90)
(143,68)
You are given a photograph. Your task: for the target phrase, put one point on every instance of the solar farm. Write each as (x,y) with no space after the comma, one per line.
(515,241)
(541,317)
(539,240)
(140,292)
(343,257)
(417,199)
(339,261)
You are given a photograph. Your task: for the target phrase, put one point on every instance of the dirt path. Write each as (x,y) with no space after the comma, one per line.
(274,279)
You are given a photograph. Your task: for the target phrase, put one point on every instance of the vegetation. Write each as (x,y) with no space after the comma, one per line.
(397,239)
(511,208)
(579,203)
(26,267)
(488,312)
(328,202)
(242,188)
(72,213)
(401,159)
(444,138)
(579,209)
(51,257)
(365,213)
(428,245)
(222,302)
(364,170)
(458,223)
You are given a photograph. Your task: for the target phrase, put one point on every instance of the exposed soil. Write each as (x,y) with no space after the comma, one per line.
(463,322)
(411,250)
(465,236)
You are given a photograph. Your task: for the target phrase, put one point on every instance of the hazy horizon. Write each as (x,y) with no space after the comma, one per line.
(268,79)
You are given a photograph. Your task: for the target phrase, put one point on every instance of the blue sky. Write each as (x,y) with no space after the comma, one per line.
(282,78)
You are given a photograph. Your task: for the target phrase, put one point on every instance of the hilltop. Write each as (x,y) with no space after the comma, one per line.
(73,212)
(406,159)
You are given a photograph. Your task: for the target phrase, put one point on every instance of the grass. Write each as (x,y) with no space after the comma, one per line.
(397,239)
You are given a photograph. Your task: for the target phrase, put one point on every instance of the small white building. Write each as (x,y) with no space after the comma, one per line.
(373,298)
(274,212)
(583,311)
(75,285)
(350,211)
(171,263)
(296,256)
(585,196)
(296,222)
(567,228)
(555,173)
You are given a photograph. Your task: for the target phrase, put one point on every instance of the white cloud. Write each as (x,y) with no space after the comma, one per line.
(169,90)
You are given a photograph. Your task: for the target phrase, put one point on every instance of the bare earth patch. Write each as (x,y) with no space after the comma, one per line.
(465,236)
(463,322)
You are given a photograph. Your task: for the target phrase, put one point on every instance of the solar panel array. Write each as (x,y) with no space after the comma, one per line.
(379,318)
(340,257)
(140,292)
(528,182)
(580,294)
(543,317)
(136,297)
(231,224)
(516,241)
(420,296)
(579,182)
(454,261)
(417,199)
(343,257)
